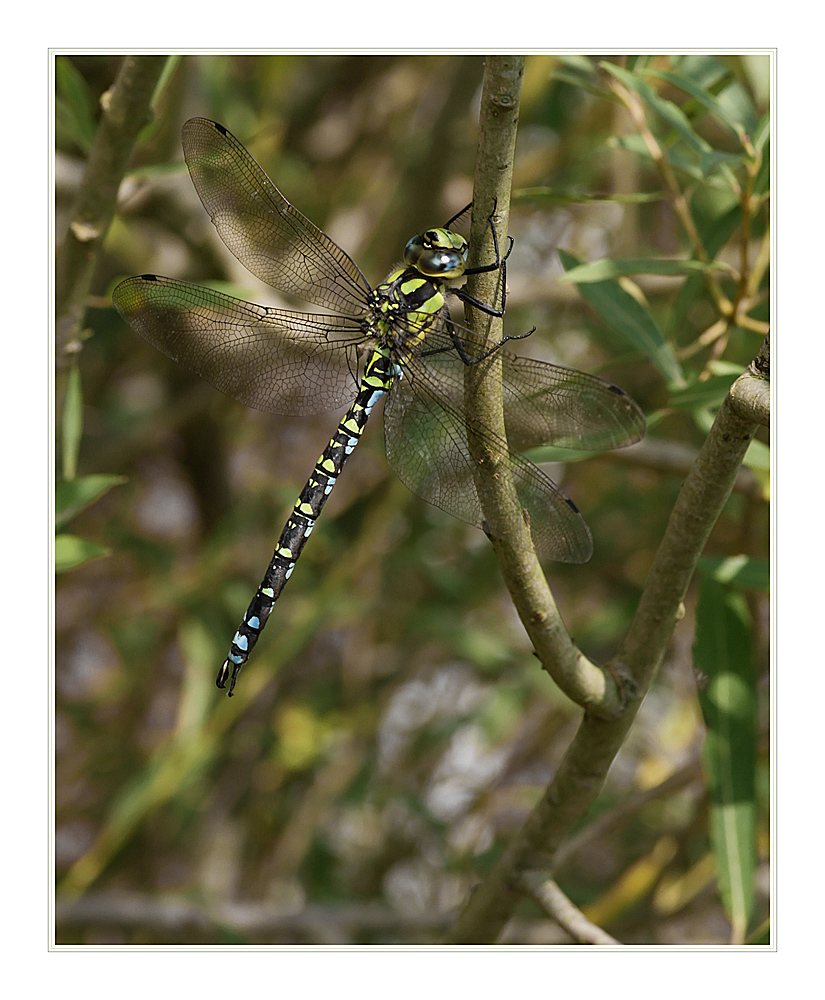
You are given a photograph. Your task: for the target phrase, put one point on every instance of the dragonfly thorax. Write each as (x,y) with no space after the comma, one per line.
(405,306)
(438,253)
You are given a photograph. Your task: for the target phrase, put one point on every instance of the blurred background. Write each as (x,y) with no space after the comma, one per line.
(393,729)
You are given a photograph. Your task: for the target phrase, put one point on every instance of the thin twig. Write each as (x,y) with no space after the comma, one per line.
(547,895)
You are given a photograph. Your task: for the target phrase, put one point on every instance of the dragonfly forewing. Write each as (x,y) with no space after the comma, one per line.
(270,237)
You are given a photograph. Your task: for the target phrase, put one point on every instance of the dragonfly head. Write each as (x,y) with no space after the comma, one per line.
(438,253)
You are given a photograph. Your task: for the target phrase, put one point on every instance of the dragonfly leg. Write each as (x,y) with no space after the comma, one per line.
(460,349)
(449,223)
(465,357)
(500,263)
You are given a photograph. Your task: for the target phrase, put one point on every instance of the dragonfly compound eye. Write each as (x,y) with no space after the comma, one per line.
(441,264)
(438,253)
(413,250)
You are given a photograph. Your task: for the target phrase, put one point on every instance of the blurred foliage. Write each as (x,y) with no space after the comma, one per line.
(393,729)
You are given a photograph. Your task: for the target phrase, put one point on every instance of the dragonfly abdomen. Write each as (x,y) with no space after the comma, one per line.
(377,381)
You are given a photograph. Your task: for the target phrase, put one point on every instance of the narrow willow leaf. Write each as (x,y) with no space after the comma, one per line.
(737,101)
(579,82)
(557,196)
(630,319)
(580,73)
(579,63)
(722,657)
(549,453)
(169,68)
(714,234)
(740,572)
(199,652)
(710,162)
(758,456)
(762,184)
(72,423)
(714,106)
(762,132)
(71,551)
(75,495)
(705,70)
(666,110)
(708,393)
(601,270)
(636,145)
(152,127)
(74,105)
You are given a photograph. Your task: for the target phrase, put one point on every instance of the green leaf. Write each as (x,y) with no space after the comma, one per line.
(667,110)
(74,106)
(600,270)
(72,423)
(75,495)
(763,179)
(703,70)
(708,393)
(762,132)
(715,107)
(738,103)
(577,63)
(714,233)
(550,453)
(169,68)
(580,73)
(630,319)
(709,162)
(758,456)
(635,144)
(722,657)
(148,171)
(557,196)
(199,655)
(701,167)
(71,551)
(153,126)
(740,572)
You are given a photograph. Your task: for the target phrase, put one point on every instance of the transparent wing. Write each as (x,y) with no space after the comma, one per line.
(425,427)
(267,235)
(270,359)
(545,404)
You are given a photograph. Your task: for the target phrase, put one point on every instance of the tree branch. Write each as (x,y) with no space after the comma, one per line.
(581,774)
(125,112)
(581,680)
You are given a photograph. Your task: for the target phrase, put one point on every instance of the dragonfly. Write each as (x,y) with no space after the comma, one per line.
(397,342)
